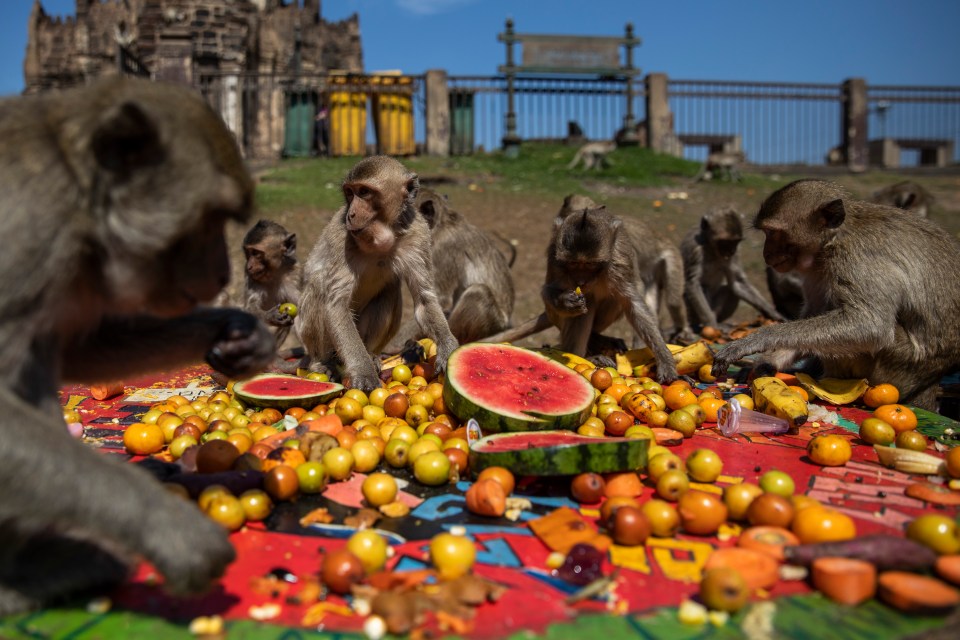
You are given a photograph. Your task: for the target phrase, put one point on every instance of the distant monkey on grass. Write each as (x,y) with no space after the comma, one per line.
(593,155)
(722,162)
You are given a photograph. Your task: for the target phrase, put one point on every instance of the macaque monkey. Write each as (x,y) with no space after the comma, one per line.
(715,281)
(600,267)
(471,275)
(786,291)
(725,162)
(350,302)
(593,155)
(877,304)
(272,278)
(906,195)
(115,199)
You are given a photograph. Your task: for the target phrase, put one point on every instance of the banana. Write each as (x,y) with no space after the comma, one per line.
(689,359)
(908,461)
(569,359)
(771,396)
(833,390)
(429,347)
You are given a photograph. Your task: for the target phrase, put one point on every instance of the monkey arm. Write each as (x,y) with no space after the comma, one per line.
(693,290)
(234,342)
(836,333)
(528,328)
(645,324)
(429,313)
(745,290)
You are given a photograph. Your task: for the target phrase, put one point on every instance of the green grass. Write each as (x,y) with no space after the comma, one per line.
(538,169)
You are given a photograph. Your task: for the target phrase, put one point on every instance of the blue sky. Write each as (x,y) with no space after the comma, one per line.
(909,42)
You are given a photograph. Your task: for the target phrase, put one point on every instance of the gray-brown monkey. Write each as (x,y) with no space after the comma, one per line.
(906,195)
(722,162)
(600,267)
(715,281)
(872,309)
(472,277)
(350,303)
(593,155)
(115,199)
(272,277)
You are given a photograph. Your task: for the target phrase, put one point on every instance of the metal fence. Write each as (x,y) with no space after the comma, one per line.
(773,123)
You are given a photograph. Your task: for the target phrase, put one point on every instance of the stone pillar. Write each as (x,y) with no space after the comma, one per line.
(660,134)
(174,57)
(437,113)
(854,132)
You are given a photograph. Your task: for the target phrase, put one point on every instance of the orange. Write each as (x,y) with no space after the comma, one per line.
(801,391)
(617,390)
(898,416)
(822,524)
(678,395)
(287,456)
(830,450)
(710,407)
(881,394)
(625,483)
(296,412)
(502,475)
(143,439)
(953,462)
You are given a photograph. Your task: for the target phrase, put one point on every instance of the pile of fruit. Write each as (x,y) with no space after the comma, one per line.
(239,453)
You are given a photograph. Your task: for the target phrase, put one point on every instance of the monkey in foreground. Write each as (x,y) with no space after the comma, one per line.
(715,281)
(350,302)
(600,267)
(906,195)
(272,278)
(725,162)
(593,155)
(115,199)
(877,304)
(471,275)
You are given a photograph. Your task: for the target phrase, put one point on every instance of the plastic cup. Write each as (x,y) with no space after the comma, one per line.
(733,419)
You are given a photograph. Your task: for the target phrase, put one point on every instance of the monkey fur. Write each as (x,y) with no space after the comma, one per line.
(593,155)
(115,199)
(271,278)
(350,303)
(877,304)
(715,281)
(472,276)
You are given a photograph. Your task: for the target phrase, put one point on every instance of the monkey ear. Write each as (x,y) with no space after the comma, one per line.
(127,140)
(413,186)
(904,200)
(429,211)
(290,246)
(833,214)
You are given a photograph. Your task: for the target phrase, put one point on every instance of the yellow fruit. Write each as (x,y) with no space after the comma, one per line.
(830,450)
(771,396)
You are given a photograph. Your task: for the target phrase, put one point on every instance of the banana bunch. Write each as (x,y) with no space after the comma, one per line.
(772,397)
(569,359)
(689,359)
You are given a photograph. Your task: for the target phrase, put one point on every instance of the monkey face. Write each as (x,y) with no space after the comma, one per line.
(727,247)
(583,272)
(257,266)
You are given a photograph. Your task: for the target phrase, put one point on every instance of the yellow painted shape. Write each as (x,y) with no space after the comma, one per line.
(634,558)
(676,569)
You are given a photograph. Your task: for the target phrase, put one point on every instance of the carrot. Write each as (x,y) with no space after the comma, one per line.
(948,568)
(759,570)
(914,593)
(486,498)
(768,539)
(106,390)
(667,437)
(885,551)
(844,580)
(329,423)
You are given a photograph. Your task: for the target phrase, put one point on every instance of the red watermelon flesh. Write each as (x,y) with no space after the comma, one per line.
(284,391)
(507,388)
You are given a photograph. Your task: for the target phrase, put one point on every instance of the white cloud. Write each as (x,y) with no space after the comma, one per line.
(430,7)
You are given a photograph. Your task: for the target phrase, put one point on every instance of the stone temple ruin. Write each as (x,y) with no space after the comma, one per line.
(197,43)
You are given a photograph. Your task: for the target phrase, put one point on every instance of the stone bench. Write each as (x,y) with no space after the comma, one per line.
(885,152)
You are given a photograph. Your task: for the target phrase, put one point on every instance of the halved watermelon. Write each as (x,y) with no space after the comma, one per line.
(507,388)
(283,391)
(557,453)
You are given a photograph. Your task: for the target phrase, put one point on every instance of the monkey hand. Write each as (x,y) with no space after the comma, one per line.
(188,548)
(277,318)
(243,347)
(572,303)
(730,353)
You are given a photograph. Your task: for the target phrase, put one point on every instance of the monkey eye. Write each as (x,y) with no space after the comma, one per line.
(364,192)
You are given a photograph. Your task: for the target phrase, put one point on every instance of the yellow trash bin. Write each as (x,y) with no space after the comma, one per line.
(347,102)
(393,114)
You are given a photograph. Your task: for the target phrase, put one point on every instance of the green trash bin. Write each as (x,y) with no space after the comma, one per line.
(298,125)
(461,122)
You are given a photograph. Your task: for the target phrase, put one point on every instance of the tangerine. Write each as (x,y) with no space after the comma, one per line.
(829,450)
(822,524)
(678,395)
(624,483)
(617,390)
(710,407)
(898,416)
(881,394)
(503,476)
(143,439)
(800,391)
(953,462)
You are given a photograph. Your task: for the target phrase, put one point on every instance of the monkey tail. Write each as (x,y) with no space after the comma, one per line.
(511,247)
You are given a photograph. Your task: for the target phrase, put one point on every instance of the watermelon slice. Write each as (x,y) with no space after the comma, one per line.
(557,453)
(507,388)
(282,391)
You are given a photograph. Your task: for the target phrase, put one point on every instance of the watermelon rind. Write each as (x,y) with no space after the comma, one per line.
(318,391)
(568,393)
(585,453)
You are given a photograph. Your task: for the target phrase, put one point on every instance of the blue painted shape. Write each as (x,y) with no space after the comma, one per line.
(406,563)
(498,553)
(551,580)
(341,532)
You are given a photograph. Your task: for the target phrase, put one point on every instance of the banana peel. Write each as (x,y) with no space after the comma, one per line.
(772,397)
(836,391)
(569,359)
(429,350)
(689,359)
